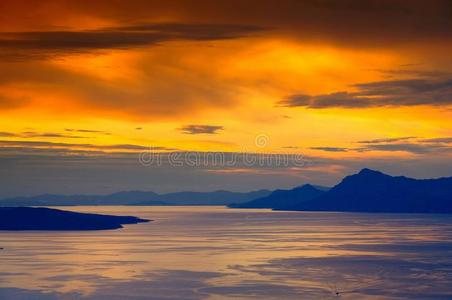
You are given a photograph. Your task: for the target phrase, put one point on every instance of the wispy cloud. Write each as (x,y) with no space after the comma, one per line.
(415,148)
(70,146)
(34,134)
(409,144)
(87,131)
(7,134)
(387,140)
(445,140)
(330,149)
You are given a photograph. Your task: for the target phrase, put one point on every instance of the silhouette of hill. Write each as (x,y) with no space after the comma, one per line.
(373,191)
(137,198)
(29,218)
(120,198)
(283,199)
(207,198)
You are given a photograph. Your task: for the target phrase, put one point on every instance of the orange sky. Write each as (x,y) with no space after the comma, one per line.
(332,80)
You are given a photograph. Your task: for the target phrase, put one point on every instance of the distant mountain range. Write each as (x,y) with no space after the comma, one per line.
(138,198)
(367,191)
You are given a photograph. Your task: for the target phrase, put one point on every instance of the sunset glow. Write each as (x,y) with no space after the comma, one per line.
(97,74)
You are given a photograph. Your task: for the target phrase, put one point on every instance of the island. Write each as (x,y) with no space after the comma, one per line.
(41,218)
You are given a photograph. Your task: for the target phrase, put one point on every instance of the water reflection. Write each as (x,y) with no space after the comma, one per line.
(219,253)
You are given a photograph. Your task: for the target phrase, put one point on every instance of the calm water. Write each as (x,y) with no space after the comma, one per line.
(220,253)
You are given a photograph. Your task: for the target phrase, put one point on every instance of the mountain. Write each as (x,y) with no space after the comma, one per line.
(137,198)
(373,191)
(283,199)
(121,198)
(208,198)
(29,218)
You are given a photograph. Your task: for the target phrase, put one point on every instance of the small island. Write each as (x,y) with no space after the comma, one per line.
(41,218)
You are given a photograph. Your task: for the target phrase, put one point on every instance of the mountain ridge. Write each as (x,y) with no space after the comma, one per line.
(374,191)
(219,197)
(282,199)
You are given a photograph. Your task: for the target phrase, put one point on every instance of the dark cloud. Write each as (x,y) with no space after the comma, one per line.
(87,131)
(445,140)
(410,144)
(33,134)
(408,92)
(387,140)
(201,129)
(417,73)
(129,147)
(45,144)
(414,148)
(330,149)
(42,43)
(349,22)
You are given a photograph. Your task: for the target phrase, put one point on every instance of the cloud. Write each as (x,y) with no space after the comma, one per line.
(417,73)
(407,92)
(87,131)
(409,144)
(330,149)
(200,129)
(70,146)
(48,43)
(113,87)
(140,96)
(351,23)
(445,140)
(7,134)
(33,134)
(387,140)
(405,147)
(11,102)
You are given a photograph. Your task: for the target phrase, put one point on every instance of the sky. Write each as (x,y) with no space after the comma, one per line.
(102,96)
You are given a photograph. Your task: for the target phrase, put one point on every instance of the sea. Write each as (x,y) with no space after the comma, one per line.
(213,252)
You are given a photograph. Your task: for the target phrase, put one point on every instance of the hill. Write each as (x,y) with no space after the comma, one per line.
(374,191)
(283,199)
(137,198)
(207,198)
